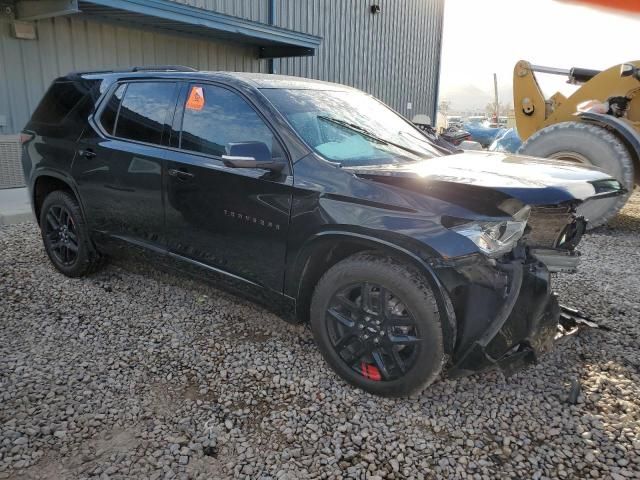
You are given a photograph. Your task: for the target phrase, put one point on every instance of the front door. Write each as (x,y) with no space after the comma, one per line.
(118,167)
(232,221)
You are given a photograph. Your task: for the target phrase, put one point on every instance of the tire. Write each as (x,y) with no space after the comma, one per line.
(590,144)
(70,250)
(409,301)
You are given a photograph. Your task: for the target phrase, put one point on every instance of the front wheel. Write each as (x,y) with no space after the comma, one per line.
(377,324)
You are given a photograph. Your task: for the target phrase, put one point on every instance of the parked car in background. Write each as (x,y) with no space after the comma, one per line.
(482,133)
(493,122)
(475,119)
(318,201)
(454,121)
(508,141)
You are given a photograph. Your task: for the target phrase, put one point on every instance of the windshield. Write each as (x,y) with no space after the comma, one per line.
(351,127)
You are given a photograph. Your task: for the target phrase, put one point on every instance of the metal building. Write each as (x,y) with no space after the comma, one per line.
(389,48)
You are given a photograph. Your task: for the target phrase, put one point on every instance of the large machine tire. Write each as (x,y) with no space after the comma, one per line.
(592,145)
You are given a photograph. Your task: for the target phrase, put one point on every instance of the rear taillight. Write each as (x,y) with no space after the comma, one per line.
(25,137)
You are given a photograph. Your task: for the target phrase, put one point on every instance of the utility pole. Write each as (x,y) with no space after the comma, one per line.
(495,89)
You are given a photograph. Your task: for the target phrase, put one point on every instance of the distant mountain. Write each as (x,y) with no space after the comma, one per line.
(470,98)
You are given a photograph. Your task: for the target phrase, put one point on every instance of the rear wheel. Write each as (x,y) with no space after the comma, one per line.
(376,323)
(65,235)
(590,145)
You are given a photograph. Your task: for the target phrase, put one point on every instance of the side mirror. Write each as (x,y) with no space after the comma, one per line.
(251,155)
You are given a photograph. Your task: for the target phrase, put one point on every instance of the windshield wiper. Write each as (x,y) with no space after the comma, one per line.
(367,134)
(429,142)
(352,126)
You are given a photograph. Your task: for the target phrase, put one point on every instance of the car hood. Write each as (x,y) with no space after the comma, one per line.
(534,181)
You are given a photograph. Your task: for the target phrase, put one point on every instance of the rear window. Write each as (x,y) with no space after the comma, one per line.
(139,111)
(58,102)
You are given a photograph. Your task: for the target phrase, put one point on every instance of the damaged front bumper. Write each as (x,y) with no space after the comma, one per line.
(557,260)
(506,313)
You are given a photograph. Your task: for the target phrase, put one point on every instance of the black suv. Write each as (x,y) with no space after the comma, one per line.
(319,201)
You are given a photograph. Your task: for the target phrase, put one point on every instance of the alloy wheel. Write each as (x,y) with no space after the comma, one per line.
(372,331)
(61,234)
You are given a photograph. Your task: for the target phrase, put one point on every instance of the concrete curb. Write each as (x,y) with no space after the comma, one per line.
(15,206)
(14,218)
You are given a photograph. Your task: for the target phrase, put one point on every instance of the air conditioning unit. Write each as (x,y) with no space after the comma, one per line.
(10,165)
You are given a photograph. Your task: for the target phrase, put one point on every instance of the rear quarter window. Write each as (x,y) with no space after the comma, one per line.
(59,101)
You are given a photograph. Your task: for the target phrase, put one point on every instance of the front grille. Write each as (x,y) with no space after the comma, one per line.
(547,225)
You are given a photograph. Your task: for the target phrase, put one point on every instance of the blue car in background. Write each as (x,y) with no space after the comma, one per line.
(483,134)
(509,141)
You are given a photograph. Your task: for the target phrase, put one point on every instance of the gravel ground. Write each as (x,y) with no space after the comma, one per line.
(131,375)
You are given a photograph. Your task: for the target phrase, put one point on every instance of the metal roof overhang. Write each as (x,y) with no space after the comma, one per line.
(273,42)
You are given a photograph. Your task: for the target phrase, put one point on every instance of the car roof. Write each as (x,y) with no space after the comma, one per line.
(268,80)
(255,80)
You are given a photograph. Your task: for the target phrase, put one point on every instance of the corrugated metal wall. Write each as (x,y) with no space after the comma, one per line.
(65,44)
(394,55)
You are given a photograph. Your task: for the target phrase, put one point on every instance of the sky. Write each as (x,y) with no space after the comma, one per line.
(485,36)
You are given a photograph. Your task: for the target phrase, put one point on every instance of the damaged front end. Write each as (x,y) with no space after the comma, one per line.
(509,222)
(506,312)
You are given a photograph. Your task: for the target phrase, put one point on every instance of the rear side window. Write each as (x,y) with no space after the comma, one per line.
(139,111)
(215,117)
(58,102)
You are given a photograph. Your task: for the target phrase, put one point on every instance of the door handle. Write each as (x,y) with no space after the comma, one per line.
(181,174)
(88,153)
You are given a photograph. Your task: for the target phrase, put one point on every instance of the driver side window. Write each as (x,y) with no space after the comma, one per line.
(214,118)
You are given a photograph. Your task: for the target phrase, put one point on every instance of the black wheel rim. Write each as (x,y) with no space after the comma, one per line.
(372,331)
(62,236)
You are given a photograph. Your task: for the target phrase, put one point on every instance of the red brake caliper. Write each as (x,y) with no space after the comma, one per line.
(370,371)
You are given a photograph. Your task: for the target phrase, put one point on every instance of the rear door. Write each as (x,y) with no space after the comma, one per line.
(119,163)
(229,220)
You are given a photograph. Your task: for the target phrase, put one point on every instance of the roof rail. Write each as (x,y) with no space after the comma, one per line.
(168,68)
(140,68)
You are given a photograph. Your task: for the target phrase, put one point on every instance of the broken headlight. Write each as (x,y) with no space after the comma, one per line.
(495,238)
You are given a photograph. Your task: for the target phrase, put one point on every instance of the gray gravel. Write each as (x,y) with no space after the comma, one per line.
(131,374)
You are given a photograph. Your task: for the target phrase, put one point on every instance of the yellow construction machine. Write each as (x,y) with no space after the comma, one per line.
(599,124)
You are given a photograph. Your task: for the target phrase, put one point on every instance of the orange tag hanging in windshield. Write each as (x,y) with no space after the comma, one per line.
(196,99)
